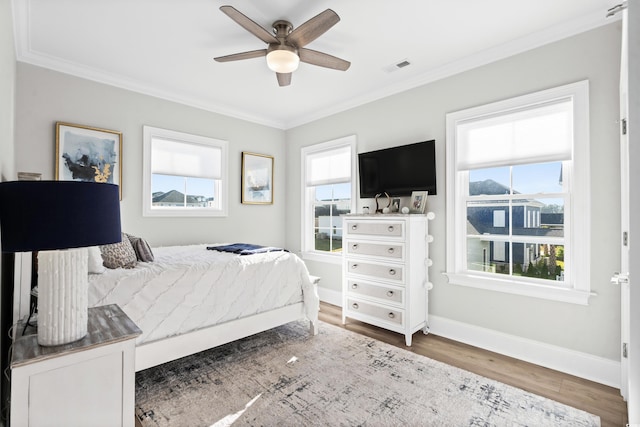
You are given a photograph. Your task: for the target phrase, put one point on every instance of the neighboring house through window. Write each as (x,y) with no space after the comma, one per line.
(518,195)
(328,192)
(184,174)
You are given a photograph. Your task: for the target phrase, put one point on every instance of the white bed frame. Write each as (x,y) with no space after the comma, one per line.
(168,349)
(162,351)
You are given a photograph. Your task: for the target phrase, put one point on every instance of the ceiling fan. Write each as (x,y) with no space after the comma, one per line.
(285,48)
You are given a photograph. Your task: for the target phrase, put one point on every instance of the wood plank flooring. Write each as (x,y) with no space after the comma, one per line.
(589,396)
(592,397)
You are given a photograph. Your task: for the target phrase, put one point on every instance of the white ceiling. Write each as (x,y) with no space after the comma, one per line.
(165,48)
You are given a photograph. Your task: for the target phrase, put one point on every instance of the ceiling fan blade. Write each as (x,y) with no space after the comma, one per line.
(323,59)
(243,55)
(313,28)
(249,24)
(284,79)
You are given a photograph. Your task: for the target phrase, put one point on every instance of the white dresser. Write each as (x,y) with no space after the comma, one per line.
(385,280)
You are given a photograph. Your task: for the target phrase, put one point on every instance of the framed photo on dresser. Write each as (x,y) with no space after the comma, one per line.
(418,201)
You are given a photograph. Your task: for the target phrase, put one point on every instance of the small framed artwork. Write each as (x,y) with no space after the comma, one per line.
(418,201)
(86,153)
(257,179)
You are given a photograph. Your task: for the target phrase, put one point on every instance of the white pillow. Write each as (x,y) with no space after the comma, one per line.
(95,261)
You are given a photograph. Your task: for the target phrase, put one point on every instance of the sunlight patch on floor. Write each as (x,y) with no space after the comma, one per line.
(231,418)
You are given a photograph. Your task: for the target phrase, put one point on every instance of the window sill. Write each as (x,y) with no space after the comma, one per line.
(187,213)
(571,296)
(323,257)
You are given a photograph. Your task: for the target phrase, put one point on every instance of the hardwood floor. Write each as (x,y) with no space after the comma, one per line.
(589,396)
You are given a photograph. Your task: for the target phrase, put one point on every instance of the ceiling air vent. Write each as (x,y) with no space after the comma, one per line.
(398,65)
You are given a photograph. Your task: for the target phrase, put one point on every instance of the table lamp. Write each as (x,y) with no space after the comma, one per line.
(59,219)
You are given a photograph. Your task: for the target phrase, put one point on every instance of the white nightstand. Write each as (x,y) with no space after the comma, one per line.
(90,382)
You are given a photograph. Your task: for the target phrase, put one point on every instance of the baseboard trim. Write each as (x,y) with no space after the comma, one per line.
(583,365)
(330,296)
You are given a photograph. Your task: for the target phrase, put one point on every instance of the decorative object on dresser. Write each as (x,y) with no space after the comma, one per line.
(385,280)
(46,216)
(88,154)
(418,201)
(378,208)
(90,382)
(257,179)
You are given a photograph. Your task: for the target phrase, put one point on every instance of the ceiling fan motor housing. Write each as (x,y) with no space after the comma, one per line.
(281,57)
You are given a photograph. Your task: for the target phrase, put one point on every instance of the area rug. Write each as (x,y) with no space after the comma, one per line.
(285,377)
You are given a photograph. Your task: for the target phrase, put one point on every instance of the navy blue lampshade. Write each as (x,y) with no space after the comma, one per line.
(49,215)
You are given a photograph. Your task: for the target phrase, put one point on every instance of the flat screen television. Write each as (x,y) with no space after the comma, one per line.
(398,170)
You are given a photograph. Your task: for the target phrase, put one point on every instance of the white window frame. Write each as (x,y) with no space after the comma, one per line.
(577,209)
(308,232)
(220,208)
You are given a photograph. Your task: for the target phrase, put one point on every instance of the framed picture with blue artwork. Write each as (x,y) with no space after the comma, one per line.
(85,153)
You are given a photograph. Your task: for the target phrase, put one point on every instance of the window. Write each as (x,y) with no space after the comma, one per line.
(329,191)
(184,175)
(518,195)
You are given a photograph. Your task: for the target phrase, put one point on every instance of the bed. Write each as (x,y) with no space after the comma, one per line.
(191,298)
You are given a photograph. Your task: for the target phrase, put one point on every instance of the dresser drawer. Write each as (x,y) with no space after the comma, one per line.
(386,314)
(377,228)
(386,250)
(388,294)
(376,271)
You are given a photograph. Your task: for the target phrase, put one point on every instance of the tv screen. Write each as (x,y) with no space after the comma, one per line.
(398,170)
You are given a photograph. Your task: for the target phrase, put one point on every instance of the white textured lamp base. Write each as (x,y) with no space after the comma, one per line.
(62,296)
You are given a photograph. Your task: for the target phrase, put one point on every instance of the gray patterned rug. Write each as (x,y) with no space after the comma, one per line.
(284,377)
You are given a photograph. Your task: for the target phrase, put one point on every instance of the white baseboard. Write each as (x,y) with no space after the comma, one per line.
(330,296)
(583,365)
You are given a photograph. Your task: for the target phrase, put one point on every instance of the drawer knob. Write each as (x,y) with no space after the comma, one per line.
(391,315)
(392,272)
(354,286)
(354,246)
(390,228)
(391,250)
(355,306)
(390,293)
(354,227)
(354,266)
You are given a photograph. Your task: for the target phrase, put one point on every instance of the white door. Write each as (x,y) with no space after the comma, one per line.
(630,211)
(633,33)
(622,278)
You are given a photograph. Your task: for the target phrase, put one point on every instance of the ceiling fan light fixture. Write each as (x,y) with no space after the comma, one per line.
(283,61)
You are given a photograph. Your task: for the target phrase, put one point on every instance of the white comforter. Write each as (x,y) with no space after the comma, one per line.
(189,287)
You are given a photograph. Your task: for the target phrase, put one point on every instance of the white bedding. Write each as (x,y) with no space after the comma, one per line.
(189,287)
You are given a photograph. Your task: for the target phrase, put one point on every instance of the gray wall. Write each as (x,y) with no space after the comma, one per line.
(45,97)
(7,92)
(419,114)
